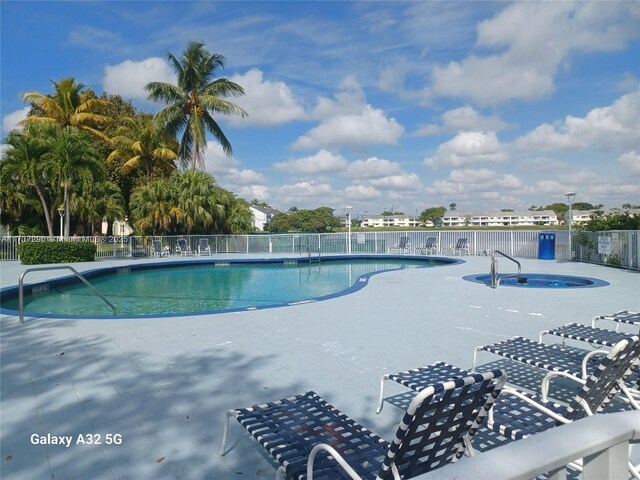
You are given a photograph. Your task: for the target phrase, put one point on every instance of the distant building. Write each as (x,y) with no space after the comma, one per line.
(580,217)
(120,227)
(462,219)
(377,221)
(261,216)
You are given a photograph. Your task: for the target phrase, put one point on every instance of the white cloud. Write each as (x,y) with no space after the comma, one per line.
(267,103)
(356,131)
(482,181)
(402,182)
(372,167)
(462,119)
(468,148)
(349,99)
(533,41)
(226,170)
(128,78)
(10,121)
(305,189)
(321,162)
(249,192)
(631,160)
(611,127)
(361,192)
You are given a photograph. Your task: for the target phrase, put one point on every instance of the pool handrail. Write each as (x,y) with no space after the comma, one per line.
(61,267)
(495,280)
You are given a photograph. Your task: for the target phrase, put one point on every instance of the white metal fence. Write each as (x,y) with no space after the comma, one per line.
(517,243)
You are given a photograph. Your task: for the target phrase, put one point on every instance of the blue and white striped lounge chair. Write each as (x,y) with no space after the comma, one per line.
(183,247)
(461,247)
(623,317)
(309,437)
(402,246)
(429,247)
(518,414)
(158,249)
(573,363)
(203,247)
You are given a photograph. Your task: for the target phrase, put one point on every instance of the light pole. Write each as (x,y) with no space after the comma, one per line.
(348,209)
(570,196)
(61,213)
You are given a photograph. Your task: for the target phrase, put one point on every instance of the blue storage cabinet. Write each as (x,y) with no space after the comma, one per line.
(546,246)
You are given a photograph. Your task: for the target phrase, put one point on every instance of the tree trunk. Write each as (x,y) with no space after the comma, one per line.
(45,209)
(67,217)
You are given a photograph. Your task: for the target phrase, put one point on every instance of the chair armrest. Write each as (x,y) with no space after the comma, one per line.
(336,456)
(512,391)
(544,388)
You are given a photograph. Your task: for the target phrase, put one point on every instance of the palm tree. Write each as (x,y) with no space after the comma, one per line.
(99,201)
(141,145)
(69,106)
(22,165)
(452,206)
(73,163)
(198,200)
(153,207)
(194,100)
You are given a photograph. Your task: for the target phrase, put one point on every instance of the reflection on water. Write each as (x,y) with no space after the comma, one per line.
(198,288)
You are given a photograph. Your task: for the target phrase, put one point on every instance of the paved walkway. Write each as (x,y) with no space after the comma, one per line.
(156,390)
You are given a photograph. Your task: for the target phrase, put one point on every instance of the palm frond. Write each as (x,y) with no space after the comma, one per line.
(215,104)
(165,92)
(214,128)
(223,87)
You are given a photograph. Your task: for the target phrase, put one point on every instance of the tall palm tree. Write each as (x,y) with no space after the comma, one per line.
(70,106)
(22,164)
(141,145)
(73,163)
(194,100)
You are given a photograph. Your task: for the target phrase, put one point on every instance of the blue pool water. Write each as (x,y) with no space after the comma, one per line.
(181,288)
(540,280)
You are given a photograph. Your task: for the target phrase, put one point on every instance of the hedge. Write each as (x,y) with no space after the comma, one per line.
(33,253)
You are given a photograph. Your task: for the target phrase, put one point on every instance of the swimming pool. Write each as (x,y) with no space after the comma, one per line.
(199,287)
(539,280)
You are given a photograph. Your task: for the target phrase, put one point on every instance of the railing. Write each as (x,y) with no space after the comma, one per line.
(495,279)
(625,245)
(602,441)
(61,267)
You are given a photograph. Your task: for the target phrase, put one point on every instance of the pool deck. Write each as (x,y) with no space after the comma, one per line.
(163,385)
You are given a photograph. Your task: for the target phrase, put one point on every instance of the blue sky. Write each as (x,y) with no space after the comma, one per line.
(374,105)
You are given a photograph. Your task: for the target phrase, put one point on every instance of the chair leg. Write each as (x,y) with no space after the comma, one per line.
(225,433)
(384,377)
(281,473)
(475,357)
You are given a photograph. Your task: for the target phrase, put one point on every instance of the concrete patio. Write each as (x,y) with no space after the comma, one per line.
(163,385)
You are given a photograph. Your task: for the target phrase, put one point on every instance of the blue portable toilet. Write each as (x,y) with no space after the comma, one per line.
(546,246)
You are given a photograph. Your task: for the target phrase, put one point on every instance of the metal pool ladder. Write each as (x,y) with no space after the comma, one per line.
(495,280)
(62,267)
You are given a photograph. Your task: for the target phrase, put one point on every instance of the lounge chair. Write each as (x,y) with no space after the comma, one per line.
(572,363)
(203,247)
(158,249)
(621,317)
(435,430)
(461,247)
(402,246)
(428,247)
(183,247)
(594,336)
(518,414)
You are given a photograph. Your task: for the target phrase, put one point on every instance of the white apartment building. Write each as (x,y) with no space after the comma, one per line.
(499,219)
(261,216)
(462,219)
(377,221)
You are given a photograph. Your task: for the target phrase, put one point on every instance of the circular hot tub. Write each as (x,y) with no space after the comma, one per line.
(539,280)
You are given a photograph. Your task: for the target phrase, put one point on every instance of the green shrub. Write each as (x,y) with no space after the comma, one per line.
(33,253)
